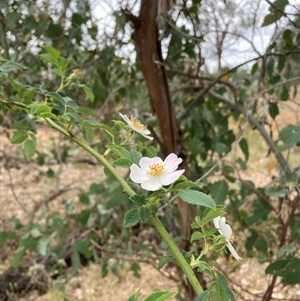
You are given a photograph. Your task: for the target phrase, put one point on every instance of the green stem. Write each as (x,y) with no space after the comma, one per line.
(154,219)
(99,157)
(177,254)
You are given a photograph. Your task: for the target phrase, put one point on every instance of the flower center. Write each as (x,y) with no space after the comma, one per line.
(232,238)
(156,169)
(137,124)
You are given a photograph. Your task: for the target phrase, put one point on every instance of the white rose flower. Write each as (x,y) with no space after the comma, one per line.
(137,126)
(225,229)
(153,173)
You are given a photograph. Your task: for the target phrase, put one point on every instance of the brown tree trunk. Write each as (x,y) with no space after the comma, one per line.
(149,58)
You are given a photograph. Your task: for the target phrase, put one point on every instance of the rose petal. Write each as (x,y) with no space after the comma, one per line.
(168,178)
(145,162)
(172,162)
(233,251)
(151,184)
(145,134)
(125,118)
(225,228)
(137,174)
(216,221)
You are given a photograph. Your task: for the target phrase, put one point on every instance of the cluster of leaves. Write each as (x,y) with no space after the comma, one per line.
(270,213)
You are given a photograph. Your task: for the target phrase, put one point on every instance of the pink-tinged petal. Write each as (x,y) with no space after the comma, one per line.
(225,228)
(168,178)
(145,162)
(152,184)
(137,174)
(233,251)
(172,162)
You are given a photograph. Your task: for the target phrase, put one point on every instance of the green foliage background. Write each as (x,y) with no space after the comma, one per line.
(267,214)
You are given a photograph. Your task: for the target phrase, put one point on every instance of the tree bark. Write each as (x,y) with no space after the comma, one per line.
(150,60)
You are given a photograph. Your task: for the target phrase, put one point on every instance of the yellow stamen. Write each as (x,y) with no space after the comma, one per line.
(232,238)
(156,169)
(137,124)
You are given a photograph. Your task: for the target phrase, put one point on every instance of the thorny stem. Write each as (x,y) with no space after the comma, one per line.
(154,219)
(177,254)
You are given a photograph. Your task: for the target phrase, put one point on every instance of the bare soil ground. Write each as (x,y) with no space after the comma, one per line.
(23,188)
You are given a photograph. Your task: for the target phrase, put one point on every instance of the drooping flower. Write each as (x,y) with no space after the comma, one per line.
(153,173)
(225,229)
(137,126)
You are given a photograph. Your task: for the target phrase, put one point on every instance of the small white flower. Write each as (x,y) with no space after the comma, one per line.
(225,229)
(137,126)
(154,173)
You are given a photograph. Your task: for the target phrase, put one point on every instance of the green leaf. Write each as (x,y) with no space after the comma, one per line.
(144,214)
(140,200)
(135,296)
(52,51)
(136,157)
(122,162)
(276,266)
(273,109)
(163,260)
(7,235)
(224,286)
(18,137)
(295,57)
(84,198)
(198,235)
(160,296)
(49,58)
(42,246)
(194,197)
(290,135)
(184,184)
(245,149)
(121,151)
(58,72)
(11,66)
(75,259)
(261,211)
(89,133)
(254,69)
(17,261)
(278,192)
(88,111)
(217,293)
(210,215)
(29,148)
(285,93)
(63,62)
(131,218)
(272,18)
(88,91)
(261,244)
(290,273)
(151,151)
(37,108)
(203,296)
(219,191)
(82,247)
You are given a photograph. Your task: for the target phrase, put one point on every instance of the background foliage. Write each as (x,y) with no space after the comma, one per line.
(232,69)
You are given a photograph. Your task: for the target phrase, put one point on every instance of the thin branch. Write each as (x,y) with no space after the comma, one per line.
(14,193)
(283,163)
(290,80)
(283,13)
